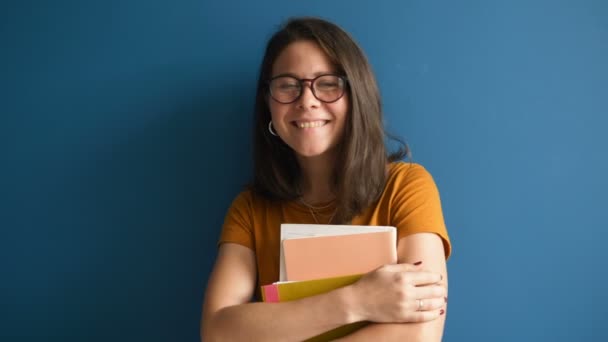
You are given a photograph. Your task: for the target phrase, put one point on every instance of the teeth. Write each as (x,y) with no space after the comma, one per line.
(311,124)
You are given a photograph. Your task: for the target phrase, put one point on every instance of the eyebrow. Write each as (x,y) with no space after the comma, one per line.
(318,73)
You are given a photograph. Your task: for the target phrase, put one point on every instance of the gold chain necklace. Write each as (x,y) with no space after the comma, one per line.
(312,213)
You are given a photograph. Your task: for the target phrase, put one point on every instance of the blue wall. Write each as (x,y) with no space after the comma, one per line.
(124,136)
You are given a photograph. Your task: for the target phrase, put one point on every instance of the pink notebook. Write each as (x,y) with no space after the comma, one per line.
(338,255)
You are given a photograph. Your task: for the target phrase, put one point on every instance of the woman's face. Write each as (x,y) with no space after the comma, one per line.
(309,126)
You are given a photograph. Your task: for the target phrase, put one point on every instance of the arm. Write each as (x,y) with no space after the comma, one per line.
(429,248)
(228,315)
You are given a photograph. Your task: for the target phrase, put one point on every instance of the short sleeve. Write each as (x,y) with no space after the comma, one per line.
(416,206)
(238,223)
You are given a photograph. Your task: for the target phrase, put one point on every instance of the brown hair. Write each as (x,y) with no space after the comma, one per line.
(360,172)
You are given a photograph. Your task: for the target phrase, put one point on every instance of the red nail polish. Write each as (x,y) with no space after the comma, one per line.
(441,312)
(418,263)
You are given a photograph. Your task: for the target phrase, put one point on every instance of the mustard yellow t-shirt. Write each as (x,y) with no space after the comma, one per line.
(410,202)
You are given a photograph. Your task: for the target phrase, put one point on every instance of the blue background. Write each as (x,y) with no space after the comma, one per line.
(124,136)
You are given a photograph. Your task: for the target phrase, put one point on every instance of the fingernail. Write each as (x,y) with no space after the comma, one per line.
(418,263)
(441,312)
(446,299)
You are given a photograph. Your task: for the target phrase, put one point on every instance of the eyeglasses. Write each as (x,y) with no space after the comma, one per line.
(288,89)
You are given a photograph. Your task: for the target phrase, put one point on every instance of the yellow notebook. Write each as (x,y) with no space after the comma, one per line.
(286,291)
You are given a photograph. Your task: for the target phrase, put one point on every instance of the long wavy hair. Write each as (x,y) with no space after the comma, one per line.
(360,173)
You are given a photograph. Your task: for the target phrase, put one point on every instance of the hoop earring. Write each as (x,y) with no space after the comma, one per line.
(271,130)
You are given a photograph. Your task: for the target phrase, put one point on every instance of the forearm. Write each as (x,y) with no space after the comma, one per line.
(415,332)
(288,321)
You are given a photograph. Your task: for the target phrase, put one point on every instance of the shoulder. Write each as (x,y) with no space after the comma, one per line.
(409,180)
(402,172)
(244,197)
(242,205)
(249,201)
(248,196)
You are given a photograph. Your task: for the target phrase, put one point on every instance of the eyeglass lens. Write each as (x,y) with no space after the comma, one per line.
(326,88)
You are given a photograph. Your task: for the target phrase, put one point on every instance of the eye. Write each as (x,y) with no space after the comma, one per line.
(288,86)
(285,84)
(328,85)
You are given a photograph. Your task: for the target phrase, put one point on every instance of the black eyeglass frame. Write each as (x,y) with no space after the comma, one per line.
(312,88)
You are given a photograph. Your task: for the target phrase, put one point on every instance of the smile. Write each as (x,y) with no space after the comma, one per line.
(310,124)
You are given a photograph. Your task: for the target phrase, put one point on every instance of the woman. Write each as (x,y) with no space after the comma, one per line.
(319,157)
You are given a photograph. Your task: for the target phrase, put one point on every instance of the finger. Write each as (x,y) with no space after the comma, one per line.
(401,267)
(424,278)
(430,292)
(429,304)
(425,316)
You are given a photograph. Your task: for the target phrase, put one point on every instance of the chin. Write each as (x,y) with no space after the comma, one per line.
(312,153)
(309,155)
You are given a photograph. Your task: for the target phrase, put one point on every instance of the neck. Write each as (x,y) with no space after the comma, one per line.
(317,174)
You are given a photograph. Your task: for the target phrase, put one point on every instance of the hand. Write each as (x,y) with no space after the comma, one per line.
(397,294)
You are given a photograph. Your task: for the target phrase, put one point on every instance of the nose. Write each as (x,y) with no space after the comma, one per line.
(307,98)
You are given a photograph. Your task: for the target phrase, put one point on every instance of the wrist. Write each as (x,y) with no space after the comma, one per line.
(350,303)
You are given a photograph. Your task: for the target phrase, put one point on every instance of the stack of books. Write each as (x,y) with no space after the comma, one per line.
(315,259)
